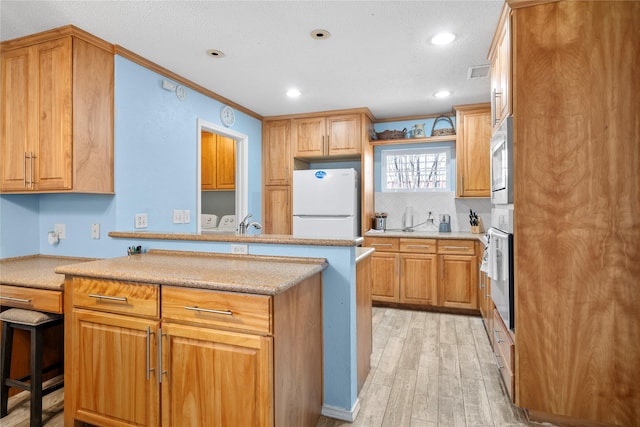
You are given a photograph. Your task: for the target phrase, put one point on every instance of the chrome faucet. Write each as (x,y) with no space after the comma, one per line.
(244,225)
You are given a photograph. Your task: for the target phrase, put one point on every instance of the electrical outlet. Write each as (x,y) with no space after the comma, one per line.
(141,220)
(178,216)
(187,216)
(61,229)
(239,249)
(95,231)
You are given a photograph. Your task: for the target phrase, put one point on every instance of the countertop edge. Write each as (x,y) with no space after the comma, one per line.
(315,265)
(281,239)
(363,253)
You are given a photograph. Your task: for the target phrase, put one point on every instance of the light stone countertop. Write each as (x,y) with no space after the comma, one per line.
(36,271)
(282,239)
(267,275)
(427,235)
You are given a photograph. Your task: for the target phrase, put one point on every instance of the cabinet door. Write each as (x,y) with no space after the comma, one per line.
(216,378)
(385,276)
(226,170)
(276,152)
(115,382)
(418,279)
(344,135)
(309,136)
(53,143)
(458,282)
(472,152)
(209,160)
(277,209)
(17,94)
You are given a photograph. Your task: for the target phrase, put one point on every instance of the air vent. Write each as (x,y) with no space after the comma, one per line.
(478,71)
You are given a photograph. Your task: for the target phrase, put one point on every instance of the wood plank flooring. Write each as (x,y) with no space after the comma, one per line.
(428,370)
(431,369)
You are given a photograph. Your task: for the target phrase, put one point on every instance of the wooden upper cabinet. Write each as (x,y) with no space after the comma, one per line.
(327,136)
(276,152)
(57,115)
(472,150)
(500,59)
(218,169)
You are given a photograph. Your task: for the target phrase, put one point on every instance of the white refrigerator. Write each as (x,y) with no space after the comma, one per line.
(325,203)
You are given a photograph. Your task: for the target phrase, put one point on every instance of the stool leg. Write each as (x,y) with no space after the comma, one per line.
(6,348)
(36,376)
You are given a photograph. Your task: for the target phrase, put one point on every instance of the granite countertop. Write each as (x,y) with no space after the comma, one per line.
(426,235)
(36,271)
(282,239)
(265,275)
(363,252)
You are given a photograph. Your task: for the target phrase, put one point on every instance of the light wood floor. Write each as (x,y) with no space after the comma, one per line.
(428,370)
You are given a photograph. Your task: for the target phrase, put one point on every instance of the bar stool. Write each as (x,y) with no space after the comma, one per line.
(36,323)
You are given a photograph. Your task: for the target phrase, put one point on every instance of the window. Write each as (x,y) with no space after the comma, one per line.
(416,169)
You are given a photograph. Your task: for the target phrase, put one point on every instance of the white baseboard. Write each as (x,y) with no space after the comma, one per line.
(341,413)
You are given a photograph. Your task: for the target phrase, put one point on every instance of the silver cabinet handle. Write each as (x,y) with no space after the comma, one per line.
(21,300)
(24,172)
(497,335)
(456,247)
(418,246)
(161,372)
(101,297)
(31,157)
(208,310)
(149,368)
(495,356)
(381,244)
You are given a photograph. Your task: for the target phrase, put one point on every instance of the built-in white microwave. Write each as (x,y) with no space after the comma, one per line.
(502,163)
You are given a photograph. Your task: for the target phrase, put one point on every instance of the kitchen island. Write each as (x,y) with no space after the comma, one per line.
(219,339)
(339,295)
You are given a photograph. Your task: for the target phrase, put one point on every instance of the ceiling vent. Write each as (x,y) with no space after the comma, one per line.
(478,71)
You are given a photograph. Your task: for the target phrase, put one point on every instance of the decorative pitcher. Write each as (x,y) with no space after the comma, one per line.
(418,130)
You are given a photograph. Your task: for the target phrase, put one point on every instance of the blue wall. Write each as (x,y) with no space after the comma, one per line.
(155,168)
(155,164)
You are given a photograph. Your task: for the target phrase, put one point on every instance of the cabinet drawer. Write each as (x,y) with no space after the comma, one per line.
(31,299)
(116,297)
(384,244)
(504,350)
(457,247)
(422,246)
(215,308)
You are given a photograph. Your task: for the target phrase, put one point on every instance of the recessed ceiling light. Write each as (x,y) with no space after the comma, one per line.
(215,53)
(442,94)
(293,93)
(442,38)
(320,34)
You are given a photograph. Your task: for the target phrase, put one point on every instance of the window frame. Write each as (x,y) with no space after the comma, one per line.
(386,153)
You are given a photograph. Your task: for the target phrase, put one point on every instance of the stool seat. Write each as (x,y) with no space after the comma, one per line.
(34,322)
(28,317)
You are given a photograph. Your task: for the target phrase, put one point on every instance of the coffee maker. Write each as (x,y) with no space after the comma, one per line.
(445,224)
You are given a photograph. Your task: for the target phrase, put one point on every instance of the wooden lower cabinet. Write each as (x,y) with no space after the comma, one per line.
(458,282)
(424,272)
(215,377)
(111,386)
(385,276)
(201,357)
(418,279)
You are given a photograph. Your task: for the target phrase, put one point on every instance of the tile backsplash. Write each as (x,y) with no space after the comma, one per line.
(396,204)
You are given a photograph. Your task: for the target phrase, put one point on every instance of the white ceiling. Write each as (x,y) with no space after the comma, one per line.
(378,55)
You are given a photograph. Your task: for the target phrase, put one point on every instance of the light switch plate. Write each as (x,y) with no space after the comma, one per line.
(95,231)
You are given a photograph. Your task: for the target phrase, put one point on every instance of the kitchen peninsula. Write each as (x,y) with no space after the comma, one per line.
(217,338)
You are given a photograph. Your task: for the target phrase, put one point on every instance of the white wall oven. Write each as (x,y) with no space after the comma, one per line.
(502,163)
(500,270)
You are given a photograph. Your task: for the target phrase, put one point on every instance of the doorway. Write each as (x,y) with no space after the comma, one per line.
(225,200)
